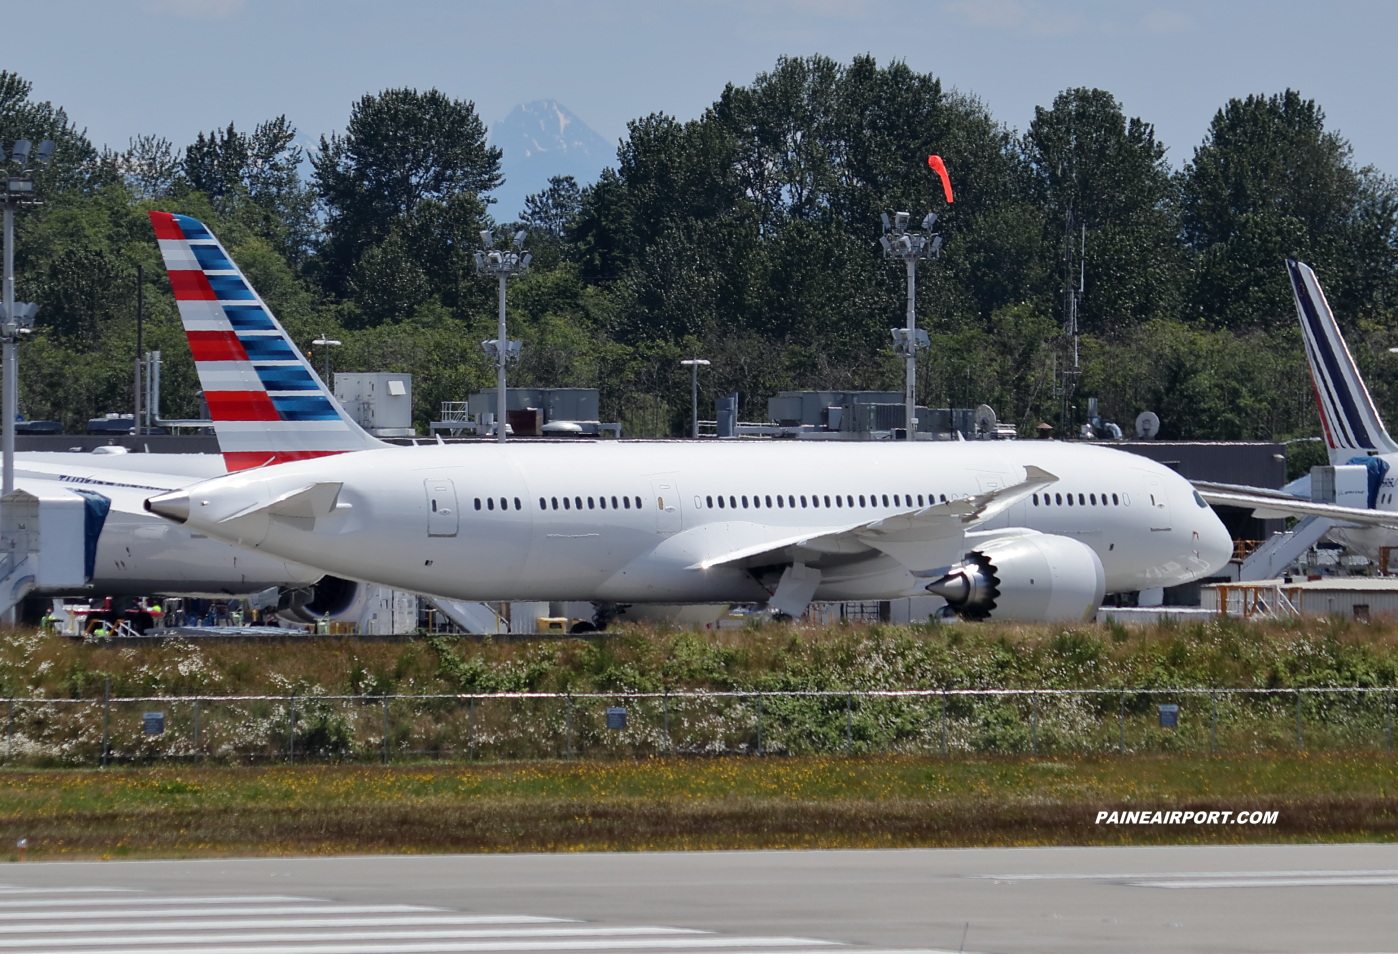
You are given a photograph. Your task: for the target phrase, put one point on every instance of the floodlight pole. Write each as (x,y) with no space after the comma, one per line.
(909,245)
(327,342)
(502,265)
(694,392)
(11,355)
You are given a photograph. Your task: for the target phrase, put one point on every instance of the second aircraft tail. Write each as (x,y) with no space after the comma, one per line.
(266,401)
(1347,413)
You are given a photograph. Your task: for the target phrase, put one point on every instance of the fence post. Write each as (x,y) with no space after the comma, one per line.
(196,731)
(568,729)
(944,723)
(1213,721)
(1034,736)
(1300,744)
(106,719)
(471,730)
(1388,727)
(666,703)
(1121,723)
(383,708)
(849,724)
(759,723)
(291,730)
(10,734)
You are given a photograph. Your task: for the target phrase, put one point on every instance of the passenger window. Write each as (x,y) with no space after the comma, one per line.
(627,502)
(944,498)
(769,500)
(555,502)
(1058,499)
(565,503)
(779,500)
(577,501)
(732,502)
(791,501)
(849,499)
(745,502)
(518,505)
(489,503)
(803,501)
(827,500)
(504,503)
(602,502)
(589,503)
(1115,503)
(710,502)
(839,502)
(434,506)
(1036,500)
(720,503)
(543,504)
(1082,501)
(885,500)
(1093,499)
(919,500)
(478,503)
(638,503)
(613,503)
(861,500)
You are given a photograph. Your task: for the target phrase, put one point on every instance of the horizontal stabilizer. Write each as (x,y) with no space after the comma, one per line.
(307,503)
(1270,505)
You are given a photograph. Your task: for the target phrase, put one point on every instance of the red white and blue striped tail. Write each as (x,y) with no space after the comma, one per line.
(266,401)
(1347,413)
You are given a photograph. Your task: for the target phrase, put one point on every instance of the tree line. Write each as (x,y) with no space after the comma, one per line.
(748,236)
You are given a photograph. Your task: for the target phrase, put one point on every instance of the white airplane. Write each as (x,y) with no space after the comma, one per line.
(1355,436)
(1025,530)
(137,554)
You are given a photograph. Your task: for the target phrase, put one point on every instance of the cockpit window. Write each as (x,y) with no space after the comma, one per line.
(1199,500)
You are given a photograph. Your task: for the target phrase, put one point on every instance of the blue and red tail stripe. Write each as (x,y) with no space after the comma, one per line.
(267,404)
(1347,412)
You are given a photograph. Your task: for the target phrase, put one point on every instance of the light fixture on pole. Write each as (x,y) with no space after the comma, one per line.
(694,364)
(327,344)
(15,318)
(502,265)
(909,246)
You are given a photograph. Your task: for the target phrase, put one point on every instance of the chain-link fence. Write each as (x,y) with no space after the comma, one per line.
(536,725)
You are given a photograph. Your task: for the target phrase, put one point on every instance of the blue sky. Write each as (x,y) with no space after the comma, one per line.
(174,67)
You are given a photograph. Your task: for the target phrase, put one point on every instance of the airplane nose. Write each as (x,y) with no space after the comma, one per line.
(1215,544)
(172,506)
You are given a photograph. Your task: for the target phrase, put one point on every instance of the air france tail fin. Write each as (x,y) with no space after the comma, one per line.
(1347,413)
(267,403)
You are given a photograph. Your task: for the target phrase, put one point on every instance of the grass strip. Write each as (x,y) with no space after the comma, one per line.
(669,804)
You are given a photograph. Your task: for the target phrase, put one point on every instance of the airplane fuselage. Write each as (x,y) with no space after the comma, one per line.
(640,521)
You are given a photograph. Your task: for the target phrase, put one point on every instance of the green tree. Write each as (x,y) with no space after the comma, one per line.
(400,148)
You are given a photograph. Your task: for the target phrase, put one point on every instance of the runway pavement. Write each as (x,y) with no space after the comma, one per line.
(1203,900)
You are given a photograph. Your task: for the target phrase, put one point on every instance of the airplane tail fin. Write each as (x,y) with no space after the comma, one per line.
(266,401)
(1347,413)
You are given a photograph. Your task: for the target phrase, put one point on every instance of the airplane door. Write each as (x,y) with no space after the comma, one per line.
(442,518)
(667,505)
(1159,503)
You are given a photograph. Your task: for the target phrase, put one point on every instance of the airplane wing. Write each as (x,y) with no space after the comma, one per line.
(1271,504)
(909,537)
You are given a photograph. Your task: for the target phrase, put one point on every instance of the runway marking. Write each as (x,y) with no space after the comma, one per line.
(249,936)
(1270,883)
(1162,875)
(246,923)
(279,924)
(201,912)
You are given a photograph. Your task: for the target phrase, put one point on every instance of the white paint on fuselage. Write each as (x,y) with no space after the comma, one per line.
(380,534)
(140,554)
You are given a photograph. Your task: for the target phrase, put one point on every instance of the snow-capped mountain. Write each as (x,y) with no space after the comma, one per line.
(543,139)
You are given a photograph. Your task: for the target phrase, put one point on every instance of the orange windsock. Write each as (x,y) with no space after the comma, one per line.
(940,168)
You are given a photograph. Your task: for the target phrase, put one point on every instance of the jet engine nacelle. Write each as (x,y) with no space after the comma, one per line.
(1036,577)
(329,596)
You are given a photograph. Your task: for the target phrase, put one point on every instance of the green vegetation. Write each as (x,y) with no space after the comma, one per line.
(664,804)
(748,235)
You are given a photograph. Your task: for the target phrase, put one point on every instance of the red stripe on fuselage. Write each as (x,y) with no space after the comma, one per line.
(165,226)
(190,285)
(215,346)
(241,406)
(243,460)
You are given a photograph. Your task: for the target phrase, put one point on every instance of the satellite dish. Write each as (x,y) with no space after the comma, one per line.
(1147,425)
(985,419)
